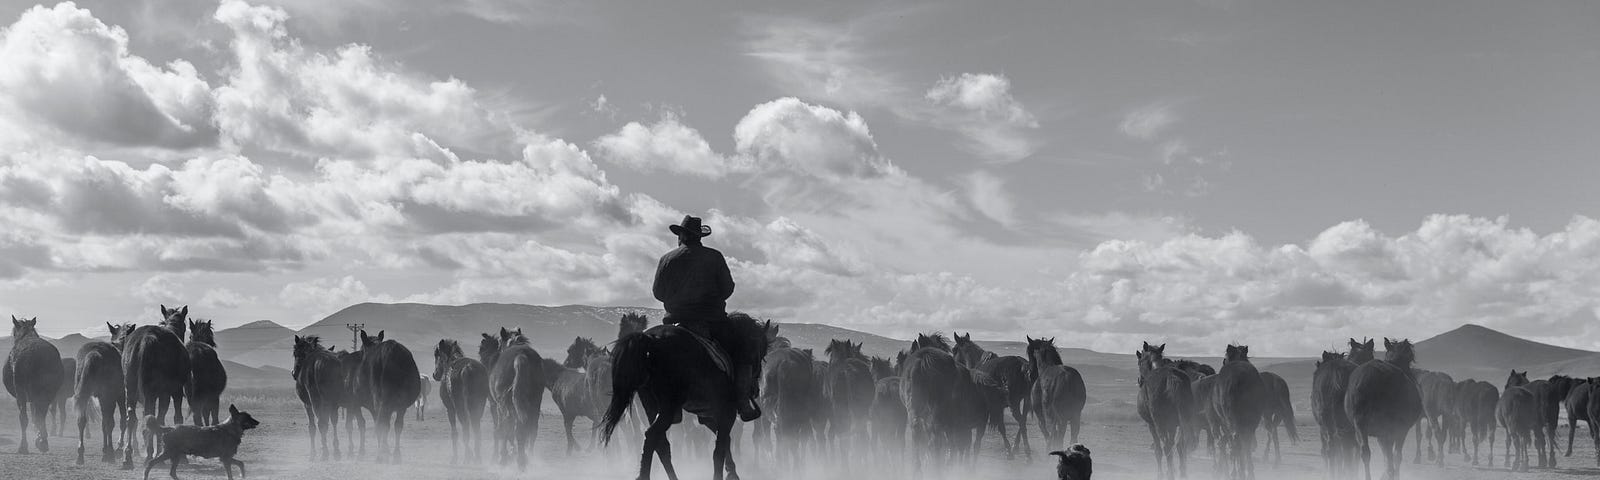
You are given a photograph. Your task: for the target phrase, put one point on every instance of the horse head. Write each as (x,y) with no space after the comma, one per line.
(1516,379)
(303,348)
(371,340)
(489,349)
(631,323)
(202,331)
(934,340)
(443,355)
(579,352)
(1238,353)
(963,339)
(1399,352)
(1362,352)
(21,328)
(175,319)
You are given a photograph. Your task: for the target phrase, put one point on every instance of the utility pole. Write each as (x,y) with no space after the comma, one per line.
(355,335)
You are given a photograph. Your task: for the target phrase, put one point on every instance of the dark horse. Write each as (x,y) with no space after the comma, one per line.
(1518,412)
(516,388)
(463,389)
(319,382)
(1328,385)
(1237,403)
(1383,401)
(1277,409)
(1577,403)
(1438,392)
(99,376)
(1014,374)
(1547,396)
(207,377)
(569,387)
(929,379)
(58,407)
(968,354)
(1165,397)
(387,383)
(787,392)
(1476,401)
(673,372)
(32,376)
(1058,394)
(355,424)
(155,366)
(849,387)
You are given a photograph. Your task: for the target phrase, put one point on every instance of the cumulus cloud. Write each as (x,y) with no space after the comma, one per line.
(980,105)
(988,195)
(667,146)
(223,298)
(64,72)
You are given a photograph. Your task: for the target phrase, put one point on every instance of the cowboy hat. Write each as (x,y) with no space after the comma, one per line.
(692,224)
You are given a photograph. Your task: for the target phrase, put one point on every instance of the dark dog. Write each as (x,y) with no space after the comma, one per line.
(1075,463)
(217,441)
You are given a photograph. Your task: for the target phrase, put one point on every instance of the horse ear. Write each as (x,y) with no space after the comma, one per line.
(232,410)
(380,336)
(1160,349)
(184,311)
(163,309)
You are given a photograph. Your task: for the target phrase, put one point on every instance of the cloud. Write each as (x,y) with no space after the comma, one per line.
(159,289)
(65,73)
(667,146)
(324,296)
(284,97)
(222,298)
(988,195)
(1146,122)
(811,140)
(980,106)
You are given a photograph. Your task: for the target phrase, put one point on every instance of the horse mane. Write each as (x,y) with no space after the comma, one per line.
(201,331)
(933,340)
(631,322)
(1193,366)
(24,328)
(584,342)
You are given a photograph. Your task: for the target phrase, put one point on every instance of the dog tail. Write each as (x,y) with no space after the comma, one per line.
(153,424)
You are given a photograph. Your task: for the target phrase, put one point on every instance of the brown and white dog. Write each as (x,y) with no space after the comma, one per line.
(216,441)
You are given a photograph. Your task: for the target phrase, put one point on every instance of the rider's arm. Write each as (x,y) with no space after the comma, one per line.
(659,288)
(724,278)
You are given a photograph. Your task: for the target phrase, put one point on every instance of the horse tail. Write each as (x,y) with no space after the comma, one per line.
(80,397)
(629,371)
(1287,409)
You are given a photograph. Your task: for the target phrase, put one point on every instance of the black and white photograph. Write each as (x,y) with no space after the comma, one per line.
(803,240)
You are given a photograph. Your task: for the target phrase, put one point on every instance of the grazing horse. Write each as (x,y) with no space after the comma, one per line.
(672,372)
(1165,398)
(569,387)
(1518,412)
(849,387)
(1013,374)
(155,367)
(1277,409)
(1328,385)
(99,376)
(1547,396)
(787,392)
(1237,402)
(516,387)
(1476,401)
(1577,403)
(319,381)
(207,377)
(968,354)
(387,382)
(929,377)
(463,389)
(58,407)
(1058,393)
(33,376)
(1438,389)
(1382,401)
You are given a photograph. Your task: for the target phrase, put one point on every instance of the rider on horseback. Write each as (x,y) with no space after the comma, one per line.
(693,284)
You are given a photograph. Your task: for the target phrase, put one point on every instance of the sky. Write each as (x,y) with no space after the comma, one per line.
(1277,174)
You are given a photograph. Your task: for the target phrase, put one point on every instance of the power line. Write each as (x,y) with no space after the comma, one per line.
(355,328)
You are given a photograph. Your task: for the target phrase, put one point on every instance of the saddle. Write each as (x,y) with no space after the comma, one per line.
(719,357)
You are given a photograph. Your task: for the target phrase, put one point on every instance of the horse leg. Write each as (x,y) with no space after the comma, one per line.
(1550,440)
(83,424)
(177,409)
(399,428)
(311,427)
(566,423)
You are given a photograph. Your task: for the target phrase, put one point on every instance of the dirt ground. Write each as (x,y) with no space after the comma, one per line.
(279,450)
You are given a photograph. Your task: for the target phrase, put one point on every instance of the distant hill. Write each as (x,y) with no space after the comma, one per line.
(1478,346)
(255,343)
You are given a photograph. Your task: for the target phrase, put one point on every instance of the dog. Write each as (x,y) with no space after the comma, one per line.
(1075,463)
(218,441)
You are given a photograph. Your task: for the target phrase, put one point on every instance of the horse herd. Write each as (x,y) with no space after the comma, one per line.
(933,402)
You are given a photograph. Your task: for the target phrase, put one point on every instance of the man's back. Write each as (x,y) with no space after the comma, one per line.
(693,280)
